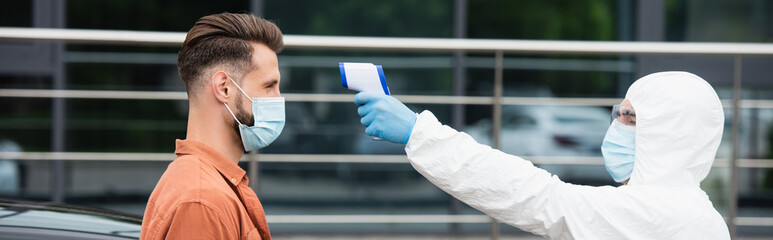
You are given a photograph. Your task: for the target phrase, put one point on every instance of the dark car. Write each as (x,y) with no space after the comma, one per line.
(36,220)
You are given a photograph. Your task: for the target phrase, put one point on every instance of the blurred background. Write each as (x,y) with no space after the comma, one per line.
(323,166)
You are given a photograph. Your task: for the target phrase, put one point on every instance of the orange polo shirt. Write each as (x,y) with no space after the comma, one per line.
(203,195)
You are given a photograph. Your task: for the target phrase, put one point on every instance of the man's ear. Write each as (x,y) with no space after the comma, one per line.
(219,83)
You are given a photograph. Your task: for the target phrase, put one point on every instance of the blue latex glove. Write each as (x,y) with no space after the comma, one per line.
(385,117)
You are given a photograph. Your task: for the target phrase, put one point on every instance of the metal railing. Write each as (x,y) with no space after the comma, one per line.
(496,47)
(399,44)
(327,158)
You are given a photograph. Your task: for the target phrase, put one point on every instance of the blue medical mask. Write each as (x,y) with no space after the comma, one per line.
(269,116)
(618,150)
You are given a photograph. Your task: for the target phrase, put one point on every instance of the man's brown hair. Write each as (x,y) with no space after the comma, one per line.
(224,39)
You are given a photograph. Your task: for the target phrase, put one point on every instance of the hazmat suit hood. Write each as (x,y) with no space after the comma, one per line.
(679,124)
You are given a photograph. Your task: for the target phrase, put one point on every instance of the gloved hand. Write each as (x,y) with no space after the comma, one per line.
(385,117)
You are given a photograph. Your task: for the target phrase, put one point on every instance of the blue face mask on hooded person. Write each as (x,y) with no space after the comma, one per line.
(269,120)
(618,150)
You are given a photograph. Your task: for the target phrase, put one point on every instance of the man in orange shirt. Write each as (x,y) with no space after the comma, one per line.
(229,66)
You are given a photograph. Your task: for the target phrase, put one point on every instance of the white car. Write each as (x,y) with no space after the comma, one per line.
(547,130)
(568,131)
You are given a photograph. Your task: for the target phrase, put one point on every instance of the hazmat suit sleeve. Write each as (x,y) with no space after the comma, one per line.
(505,187)
(515,192)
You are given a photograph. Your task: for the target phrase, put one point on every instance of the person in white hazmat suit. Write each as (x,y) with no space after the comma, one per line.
(661,145)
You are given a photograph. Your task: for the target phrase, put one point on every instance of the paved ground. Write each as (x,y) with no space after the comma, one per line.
(347,237)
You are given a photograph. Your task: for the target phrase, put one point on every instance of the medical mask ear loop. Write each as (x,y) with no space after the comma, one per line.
(240,88)
(232,113)
(243,92)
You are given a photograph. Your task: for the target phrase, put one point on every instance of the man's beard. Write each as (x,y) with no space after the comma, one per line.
(243,117)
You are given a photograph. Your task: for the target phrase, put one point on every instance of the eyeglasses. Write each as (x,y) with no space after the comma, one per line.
(624,114)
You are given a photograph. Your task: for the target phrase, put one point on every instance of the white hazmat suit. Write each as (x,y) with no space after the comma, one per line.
(678,130)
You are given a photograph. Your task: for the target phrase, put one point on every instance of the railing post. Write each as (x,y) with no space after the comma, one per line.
(459,86)
(496,120)
(256,7)
(52,14)
(732,211)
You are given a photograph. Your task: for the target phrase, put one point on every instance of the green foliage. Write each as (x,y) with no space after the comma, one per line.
(167,15)
(400,18)
(16,13)
(546,20)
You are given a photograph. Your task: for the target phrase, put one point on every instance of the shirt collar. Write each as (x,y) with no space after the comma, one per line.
(230,170)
